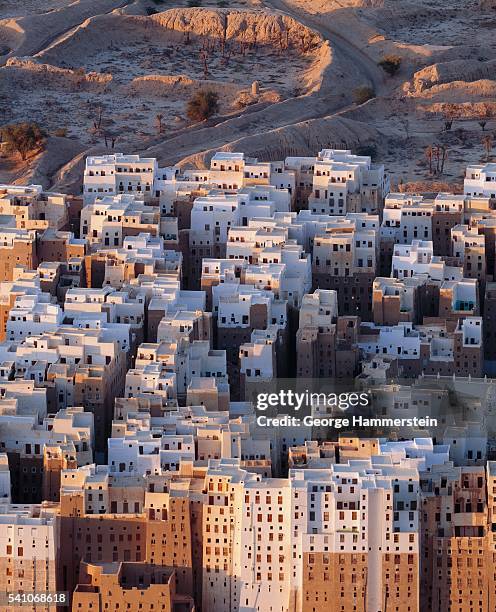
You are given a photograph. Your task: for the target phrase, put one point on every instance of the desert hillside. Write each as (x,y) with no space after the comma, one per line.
(106,74)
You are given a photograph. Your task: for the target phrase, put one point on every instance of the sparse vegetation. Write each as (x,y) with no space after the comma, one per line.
(23,138)
(203,105)
(96,129)
(60,132)
(90,106)
(485,114)
(363,94)
(429,154)
(436,156)
(390,64)
(487,142)
(159,117)
(449,115)
(370,150)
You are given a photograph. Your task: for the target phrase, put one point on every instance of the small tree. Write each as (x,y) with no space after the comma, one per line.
(370,150)
(23,138)
(487,141)
(204,60)
(440,153)
(60,132)
(429,154)
(450,112)
(363,94)
(203,105)
(390,64)
(160,126)
(485,114)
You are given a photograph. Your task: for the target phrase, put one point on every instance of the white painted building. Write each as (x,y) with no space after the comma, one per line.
(117,173)
(29,544)
(356,234)
(319,309)
(480,180)
(32,315)
(5,497)
(418,258)
(279,526)
(401,341)
(108,219)
(257,358)
(464,238)
(343,182)
(215,214)
(32,207)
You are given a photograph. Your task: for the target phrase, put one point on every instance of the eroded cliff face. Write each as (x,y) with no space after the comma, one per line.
(447,72)
(29,72)
(258,27)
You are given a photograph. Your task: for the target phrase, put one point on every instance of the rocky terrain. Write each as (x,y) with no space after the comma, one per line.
(95,74)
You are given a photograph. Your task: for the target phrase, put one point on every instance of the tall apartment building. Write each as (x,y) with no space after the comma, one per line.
(29,550)
(78,367)
(17,248)
(33,208)
(32,315)
(110,219)
(132,586)
(345,256)
(119,174)
(457,543)
(26,438)
(418,258)
(449,211)
(316,336)
(469,248)
(399,300)
(60,246)
(407,217)
(120,312)
(211,218)
(233,171)
(486,226)
(480,180)
(23,283)
(258,358)
(5,484)
(429,348)
(323,535)
(489,321)
(344,183)
(103,525)
(241,309)
(141,254)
